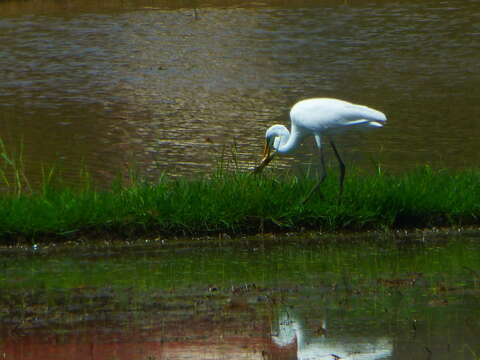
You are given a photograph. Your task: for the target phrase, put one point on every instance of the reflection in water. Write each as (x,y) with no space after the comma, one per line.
(251,300)
(108,85)
(82,348)
(235,334)
(291,331)
(198,339)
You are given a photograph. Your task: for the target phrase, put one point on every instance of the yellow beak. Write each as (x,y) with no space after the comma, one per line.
(266,150)
(267,157)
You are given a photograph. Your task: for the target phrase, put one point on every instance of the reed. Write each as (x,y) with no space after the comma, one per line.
(236,202)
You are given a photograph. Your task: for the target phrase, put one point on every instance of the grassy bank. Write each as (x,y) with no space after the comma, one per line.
(237,203)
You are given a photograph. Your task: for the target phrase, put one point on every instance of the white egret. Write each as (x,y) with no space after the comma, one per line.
(318,117)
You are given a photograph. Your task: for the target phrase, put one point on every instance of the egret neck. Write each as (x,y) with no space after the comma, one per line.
(284,141)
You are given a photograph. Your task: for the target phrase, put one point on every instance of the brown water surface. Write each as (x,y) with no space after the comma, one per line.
(167,86)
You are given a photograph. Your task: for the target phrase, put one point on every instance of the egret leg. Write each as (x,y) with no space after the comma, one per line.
(321,180)
(341,165)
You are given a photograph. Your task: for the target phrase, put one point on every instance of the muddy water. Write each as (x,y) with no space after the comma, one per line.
(168,87)
(255,299)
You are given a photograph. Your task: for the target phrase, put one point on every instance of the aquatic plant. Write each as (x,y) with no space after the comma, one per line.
(237,202)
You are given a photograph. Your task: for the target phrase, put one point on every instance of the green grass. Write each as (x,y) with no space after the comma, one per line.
(239,203)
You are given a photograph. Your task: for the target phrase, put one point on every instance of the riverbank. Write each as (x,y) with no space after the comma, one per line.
(240,203)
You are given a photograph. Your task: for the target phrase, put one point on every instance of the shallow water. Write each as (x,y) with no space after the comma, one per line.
(288,298)
(167,88)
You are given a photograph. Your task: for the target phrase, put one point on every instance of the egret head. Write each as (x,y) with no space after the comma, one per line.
(274,137)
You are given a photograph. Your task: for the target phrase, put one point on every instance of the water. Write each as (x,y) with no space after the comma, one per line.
(285,298)
(168,88)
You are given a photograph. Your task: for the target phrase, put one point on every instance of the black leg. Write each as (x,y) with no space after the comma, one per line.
(321,180)
(341,165)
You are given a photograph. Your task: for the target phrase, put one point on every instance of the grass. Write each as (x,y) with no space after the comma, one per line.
(230,201)
(237,202)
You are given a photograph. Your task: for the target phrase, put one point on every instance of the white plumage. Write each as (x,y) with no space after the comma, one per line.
(319,117)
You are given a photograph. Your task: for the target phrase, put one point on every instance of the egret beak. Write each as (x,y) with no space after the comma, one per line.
(266,150)
(267,157)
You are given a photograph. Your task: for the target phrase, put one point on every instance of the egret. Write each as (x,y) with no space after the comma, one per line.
(320,117)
